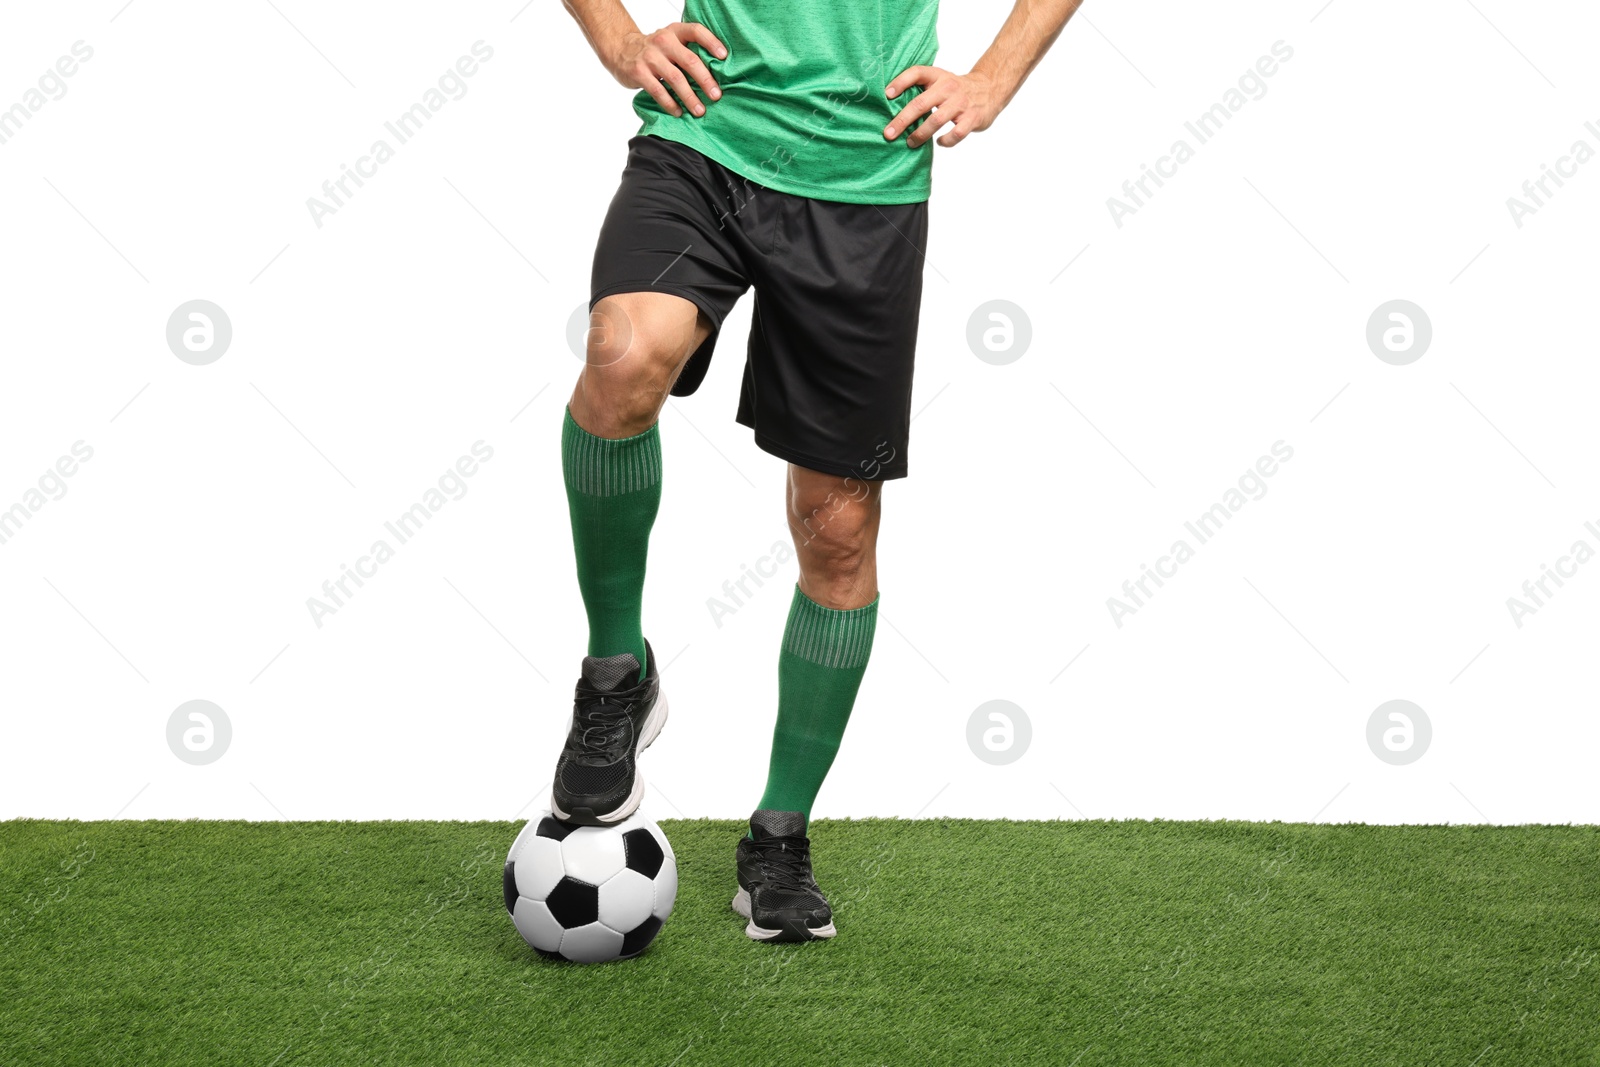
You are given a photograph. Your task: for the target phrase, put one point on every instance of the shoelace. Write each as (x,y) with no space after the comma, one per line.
(786,862)
(601,730)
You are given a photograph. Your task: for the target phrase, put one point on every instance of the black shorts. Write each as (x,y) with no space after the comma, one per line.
(827,375)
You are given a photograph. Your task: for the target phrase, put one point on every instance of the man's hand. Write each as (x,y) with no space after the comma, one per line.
(972,101)
(658,61)
(969,101)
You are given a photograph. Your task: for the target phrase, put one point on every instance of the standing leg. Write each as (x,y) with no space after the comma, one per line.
(834,523)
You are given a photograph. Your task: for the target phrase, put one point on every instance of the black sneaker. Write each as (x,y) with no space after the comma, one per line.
(777,891)
(614,719)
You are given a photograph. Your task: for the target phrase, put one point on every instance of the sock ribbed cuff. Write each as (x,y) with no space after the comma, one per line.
(830,637)
(603,466)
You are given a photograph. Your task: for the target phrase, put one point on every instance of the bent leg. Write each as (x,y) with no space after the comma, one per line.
(611,455)
(636,346)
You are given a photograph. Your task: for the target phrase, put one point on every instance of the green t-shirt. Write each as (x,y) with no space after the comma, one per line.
(802,108)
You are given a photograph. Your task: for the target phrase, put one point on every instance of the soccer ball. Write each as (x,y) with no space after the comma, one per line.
(590,894)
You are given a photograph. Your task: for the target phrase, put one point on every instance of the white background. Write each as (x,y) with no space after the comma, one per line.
(1168,354)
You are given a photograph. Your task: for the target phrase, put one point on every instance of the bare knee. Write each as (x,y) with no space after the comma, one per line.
(835,529)
(635,346)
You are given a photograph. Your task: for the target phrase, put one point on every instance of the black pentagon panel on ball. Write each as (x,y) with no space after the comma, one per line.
(643,852)
(510,886)
(553,828)
(574,903)
(639,938)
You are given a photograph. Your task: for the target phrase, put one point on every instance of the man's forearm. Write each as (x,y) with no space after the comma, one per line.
(1026,36)
(604,23)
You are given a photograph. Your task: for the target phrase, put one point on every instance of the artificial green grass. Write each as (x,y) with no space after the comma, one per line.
(1087,943)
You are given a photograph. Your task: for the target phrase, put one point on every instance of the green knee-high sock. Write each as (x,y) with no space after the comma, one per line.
(819,671)
(613,494)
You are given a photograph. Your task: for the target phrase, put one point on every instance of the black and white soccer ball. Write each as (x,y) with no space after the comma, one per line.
(590,894)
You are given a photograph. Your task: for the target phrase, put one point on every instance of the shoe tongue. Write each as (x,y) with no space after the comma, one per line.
(765,824)
(606,673)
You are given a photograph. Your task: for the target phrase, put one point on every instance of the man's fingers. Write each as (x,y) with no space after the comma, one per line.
(924,103)
(930,126)
(659,94)
(957,134)
(690,63)
(669,73)
(944,101)
(693,31)
(907,78)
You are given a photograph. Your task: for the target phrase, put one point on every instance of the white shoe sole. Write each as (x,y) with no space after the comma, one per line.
(653,723)
(741,905)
